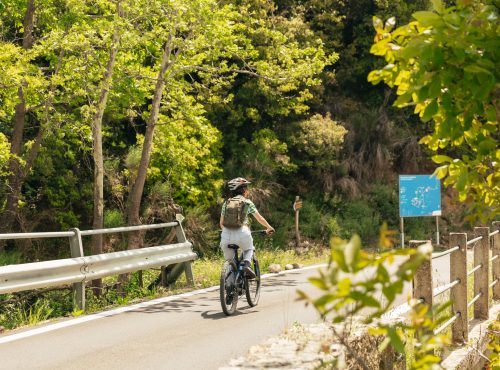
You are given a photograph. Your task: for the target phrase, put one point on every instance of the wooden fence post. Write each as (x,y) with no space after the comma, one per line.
(422,281)
(481,276)
(458,270)
(495,251)
(297,205)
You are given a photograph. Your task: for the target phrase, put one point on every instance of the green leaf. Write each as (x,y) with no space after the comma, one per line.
(344,287)
(430,111)
(438,5)
(427,18)
(351,252)
(491,114)
(324,300)
(441,158)
(486,146)
(474,68)
(319,283)
(462,181)
(402,100)
(435,88)
(441,171)
(396,341)
(365,299)
(378,24)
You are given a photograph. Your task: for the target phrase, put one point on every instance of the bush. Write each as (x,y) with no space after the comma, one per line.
(359,218)
(384,199)
(113,218)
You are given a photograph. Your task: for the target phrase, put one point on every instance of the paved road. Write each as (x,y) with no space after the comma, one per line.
(185,332)
(189,332)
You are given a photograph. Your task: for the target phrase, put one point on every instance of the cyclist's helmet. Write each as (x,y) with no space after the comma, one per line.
(237,183)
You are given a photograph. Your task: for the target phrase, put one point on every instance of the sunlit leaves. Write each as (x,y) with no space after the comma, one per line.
(4,153)
(446,66)
(359,283)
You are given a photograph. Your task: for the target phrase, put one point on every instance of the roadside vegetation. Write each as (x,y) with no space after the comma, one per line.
(128,112)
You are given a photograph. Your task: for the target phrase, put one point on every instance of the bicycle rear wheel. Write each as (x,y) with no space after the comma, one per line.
(228,294)
(252,286)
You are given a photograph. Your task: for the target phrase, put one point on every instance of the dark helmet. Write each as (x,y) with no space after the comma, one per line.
(237,183)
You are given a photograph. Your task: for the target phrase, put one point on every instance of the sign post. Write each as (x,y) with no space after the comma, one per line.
(419,196)
(296,206)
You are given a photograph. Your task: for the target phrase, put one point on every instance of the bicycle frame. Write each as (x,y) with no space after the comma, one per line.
(234,283)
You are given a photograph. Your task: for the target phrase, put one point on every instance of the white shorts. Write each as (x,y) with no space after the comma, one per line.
(241,237)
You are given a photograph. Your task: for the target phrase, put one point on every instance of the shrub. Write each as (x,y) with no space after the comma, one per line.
(358,217)
(384,199)
(113,218)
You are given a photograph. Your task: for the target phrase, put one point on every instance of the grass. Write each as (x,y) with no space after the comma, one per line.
(31,309)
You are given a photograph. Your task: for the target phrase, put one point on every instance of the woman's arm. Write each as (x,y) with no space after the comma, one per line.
(221,221)
(263,222)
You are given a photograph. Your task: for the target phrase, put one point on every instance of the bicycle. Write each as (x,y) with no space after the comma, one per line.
(234,283)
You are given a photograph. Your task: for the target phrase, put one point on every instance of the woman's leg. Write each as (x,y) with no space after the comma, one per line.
(225,240)
(246,243)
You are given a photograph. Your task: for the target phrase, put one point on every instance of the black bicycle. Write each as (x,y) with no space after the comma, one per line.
(234,282)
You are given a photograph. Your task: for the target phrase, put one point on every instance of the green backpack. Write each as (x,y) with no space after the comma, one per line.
(235,212)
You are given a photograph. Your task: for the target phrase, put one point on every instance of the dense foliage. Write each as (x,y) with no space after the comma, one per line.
(445,64)
(181,95)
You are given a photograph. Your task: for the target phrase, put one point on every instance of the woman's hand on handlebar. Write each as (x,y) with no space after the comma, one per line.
(270,230)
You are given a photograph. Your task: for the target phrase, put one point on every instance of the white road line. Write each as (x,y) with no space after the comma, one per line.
(117,311)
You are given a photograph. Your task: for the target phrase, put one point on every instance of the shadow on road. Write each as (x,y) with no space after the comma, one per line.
(217,315)
(179,305)
(202,303)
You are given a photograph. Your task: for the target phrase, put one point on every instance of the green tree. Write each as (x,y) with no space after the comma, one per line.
(318,142)
(445,64)
(4,153)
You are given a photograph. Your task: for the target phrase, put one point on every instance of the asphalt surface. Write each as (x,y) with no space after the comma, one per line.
(184,332)
(189,332)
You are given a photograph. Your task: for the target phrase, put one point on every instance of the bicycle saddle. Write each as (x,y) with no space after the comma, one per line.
(233,246)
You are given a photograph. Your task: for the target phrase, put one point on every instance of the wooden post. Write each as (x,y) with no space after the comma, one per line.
(481,276)
(422,281)
(495,265)
(458,270)
(296,207)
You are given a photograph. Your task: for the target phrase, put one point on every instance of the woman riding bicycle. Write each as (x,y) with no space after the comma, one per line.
(234,222)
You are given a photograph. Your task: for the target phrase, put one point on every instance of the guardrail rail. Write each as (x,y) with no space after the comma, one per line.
(80,269)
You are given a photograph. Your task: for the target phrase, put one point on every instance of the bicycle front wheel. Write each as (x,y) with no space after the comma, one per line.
(252,286)
(228,293)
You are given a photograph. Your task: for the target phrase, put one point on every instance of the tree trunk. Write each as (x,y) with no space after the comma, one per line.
(98,221)
(15,179)
(137,189)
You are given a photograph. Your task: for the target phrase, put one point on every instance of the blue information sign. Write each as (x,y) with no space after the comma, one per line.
(419,195)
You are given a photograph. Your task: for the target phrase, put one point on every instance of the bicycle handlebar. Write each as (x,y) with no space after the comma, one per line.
(261,232)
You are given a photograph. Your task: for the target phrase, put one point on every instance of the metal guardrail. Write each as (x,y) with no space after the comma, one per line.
(80,269)
(57,234)
(27,276)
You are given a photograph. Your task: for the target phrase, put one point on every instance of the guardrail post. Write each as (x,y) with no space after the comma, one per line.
(76,245)
(458,270)
(422,281)
(481,276)
(181,238)
(495,249)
